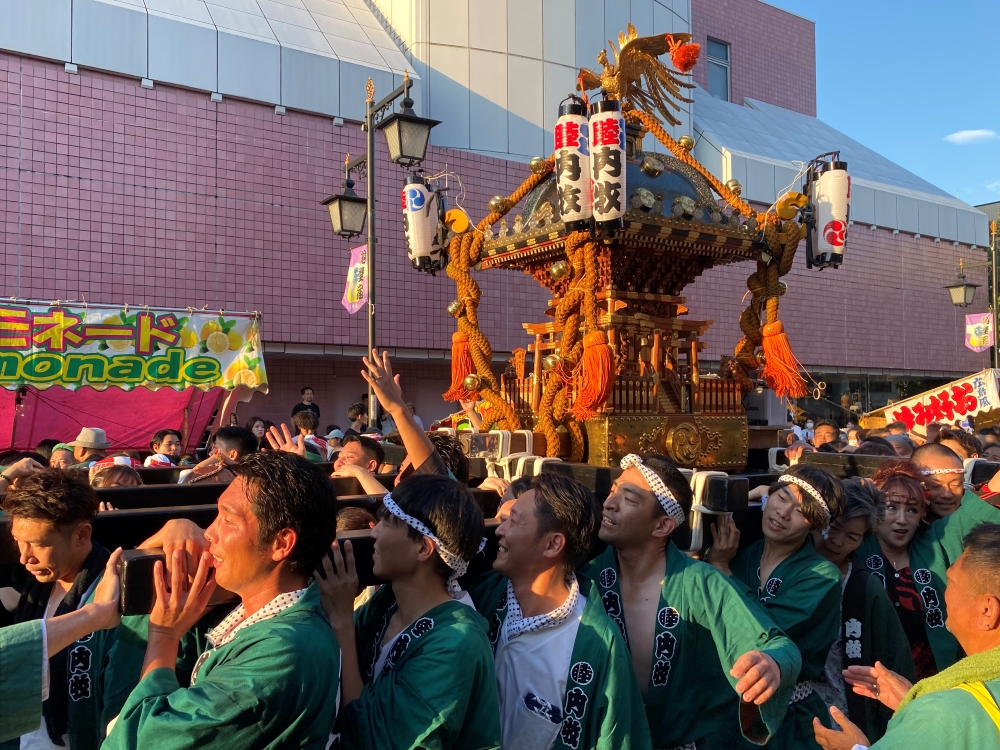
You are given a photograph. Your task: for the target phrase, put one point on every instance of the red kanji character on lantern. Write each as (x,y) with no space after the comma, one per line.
(606,132)
(567,135)
(923,414)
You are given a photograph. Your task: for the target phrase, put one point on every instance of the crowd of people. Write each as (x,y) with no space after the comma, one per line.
(865,614)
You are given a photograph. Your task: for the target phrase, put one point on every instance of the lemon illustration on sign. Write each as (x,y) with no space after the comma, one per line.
(119,345)
(212,326)
(217,342)
(235,340)
(245,377)
(189,338)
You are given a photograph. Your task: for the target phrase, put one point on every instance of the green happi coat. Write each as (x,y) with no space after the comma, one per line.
(603,706)
(703,626)
(274,685)
(20,679)
(931,552)
(949,532)
(802,595)
(872,633)
(97,685)
(437,688)
(929,569)
(951,719)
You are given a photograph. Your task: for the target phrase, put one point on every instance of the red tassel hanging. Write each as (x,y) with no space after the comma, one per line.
(461,367)
(596,375)
(781,368)
(683,55)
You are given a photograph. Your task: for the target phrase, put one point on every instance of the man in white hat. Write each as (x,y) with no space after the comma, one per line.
(89,447)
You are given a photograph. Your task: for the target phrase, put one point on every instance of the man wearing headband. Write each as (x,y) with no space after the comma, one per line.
(693,638)
(799,588)
(563,671)
(417,665)
(954,508)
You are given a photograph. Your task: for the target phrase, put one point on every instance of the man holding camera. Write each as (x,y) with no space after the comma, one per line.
(270,678)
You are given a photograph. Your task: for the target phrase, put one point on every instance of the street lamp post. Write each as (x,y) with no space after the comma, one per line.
(406,137)
(963,292)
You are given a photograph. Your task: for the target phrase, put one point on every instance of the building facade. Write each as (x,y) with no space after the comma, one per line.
(174,152)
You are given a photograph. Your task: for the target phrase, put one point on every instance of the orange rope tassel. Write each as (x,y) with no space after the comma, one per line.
(781,368)
(461,367)
(597,375)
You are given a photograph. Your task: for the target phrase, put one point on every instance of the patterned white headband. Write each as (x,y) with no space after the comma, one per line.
(805,486)
(932,472)
(663,495)
(453,561)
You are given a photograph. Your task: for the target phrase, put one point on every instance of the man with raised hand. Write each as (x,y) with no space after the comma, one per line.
(709,662)
(563,671)
(270,678)
(417,665)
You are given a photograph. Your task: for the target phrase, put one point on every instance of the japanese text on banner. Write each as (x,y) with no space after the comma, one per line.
(100,346)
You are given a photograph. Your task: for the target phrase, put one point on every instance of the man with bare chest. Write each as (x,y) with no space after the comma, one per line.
(704,676)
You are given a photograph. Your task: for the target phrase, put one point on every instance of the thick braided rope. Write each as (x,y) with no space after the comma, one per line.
(465,250)
(579,299)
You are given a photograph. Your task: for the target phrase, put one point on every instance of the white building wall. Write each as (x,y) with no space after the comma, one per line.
(494,71)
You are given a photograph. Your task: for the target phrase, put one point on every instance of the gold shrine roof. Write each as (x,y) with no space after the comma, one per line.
(672,211)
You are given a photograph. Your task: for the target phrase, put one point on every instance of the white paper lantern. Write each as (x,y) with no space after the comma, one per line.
(572,151)
(421,217)
(607,164)
(831,197)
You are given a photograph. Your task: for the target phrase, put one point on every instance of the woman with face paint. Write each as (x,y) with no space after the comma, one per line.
(903,555)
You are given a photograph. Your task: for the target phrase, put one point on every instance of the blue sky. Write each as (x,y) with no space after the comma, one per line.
(901,77)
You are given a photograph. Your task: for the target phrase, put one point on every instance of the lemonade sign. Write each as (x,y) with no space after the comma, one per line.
(101,346)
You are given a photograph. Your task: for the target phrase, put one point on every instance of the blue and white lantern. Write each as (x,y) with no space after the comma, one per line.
(421,220)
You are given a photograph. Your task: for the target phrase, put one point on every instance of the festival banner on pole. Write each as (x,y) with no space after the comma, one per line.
(979,331)
(43,345)
(356,291)
(949,404)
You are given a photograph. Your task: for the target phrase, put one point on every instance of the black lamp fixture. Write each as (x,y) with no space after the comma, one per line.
(406,134)
(348,211)
(962,292)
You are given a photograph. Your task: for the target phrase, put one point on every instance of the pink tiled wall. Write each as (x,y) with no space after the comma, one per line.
(884,308)
(115,193)
(773,52)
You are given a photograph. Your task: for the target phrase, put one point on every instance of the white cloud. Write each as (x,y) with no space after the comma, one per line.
(993,187)
(966,137)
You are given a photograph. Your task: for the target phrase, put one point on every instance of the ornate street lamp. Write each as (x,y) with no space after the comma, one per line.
(348,211)
(406,137)
(406,134)
(963,292)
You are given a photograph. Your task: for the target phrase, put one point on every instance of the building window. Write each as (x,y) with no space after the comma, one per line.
(718,70)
